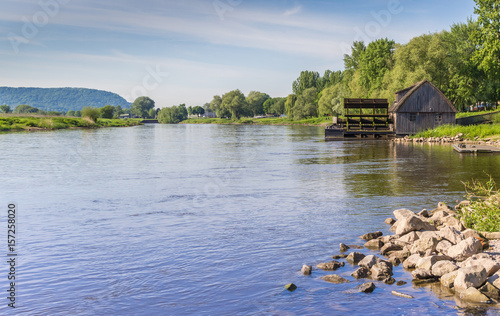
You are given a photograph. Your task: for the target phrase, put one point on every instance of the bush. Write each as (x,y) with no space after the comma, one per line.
(90,113)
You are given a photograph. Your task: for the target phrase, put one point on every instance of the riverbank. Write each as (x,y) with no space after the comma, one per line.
(315,121)
(10,123)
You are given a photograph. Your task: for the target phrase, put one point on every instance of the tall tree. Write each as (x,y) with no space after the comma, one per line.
(289,104)
(141,106)
(234,102)
(5,108)
(107,111)
(306,80)
(375,61)
(255,102)
(306,104)
(487,37)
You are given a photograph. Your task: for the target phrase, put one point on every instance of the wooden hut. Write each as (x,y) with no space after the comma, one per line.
(420,107)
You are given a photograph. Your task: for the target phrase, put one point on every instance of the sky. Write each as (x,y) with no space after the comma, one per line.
(187,51)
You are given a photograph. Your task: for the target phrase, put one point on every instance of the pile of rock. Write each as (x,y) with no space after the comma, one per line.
(447,139)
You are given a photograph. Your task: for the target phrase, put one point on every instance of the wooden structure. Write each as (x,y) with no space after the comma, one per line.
(363,118)
(474,149)
(420,107)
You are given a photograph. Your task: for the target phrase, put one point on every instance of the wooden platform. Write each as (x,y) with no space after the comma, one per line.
(472,149)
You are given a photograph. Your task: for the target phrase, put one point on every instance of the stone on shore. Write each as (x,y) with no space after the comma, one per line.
(412,223)
(484,260)
(390,221)
(443,246)
(448,280)
(367,287)
(361,273)
(411,261)
(343,247)
(381,271)
(374,244)
(306,269)
(441,268)
(465,249)
(390,247)
(290,287)
(355,257)
(424,244)
(423,213)
(495,279)
(371,236)
(339,256)
(473,276)
(473,295)
(330,266)
(403,213)
(490,290)
(333,278)
(409,238)
(420,274)
(369,261)
(451,234)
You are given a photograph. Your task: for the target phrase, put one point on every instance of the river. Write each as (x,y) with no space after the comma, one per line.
(213,220)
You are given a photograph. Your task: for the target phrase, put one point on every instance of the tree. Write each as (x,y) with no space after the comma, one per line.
(190,110)
(255,102)
(289,104)
(234,102)
(152,113)
(118,111)
(90,113)
(306,80)
(141,106)
(24,109)
(330,102)
(170,115)
(198,110)
(375,61)
(306,105)
(78,113)
(487,37)
(5,108)
(107,111)
(70,113)
(182,112)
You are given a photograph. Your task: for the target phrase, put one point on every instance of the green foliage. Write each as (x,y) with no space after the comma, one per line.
(331,100)
(483,214)
(53,123)
(25,109)
(487,37)
(375,61)
(198,110)
(172,115)
(306,104)
(5,108)
(107,111)
(255,102)
(306,80)
(70,113)
(59,99)
(78,113)
(470,132)
(234,102)
(141,106)
(91,113)
(289,104)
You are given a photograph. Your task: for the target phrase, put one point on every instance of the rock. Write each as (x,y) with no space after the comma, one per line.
(422,245)
(339,256)
(490,290)
(443,246)
(441,268)
(470,233)
(412,223)
(438,216)
(400,283)
(290,287)
(465,249)
(374,244)
(423,213)
(371,236)
(388,238)
(462,204)
(367,287)
(306,270)
(399,256)
(343,247)
(361,273)
(495,279)
(390,247)
(381,271)
(451,234)
(396,293)
(473,295)
(409,238)
(411,261)
(453,222)
(403,213)
(390,221)
(422,274)
(355,246)
(483,260)
(448,280)
(494,235)
(330,266)
(390,281)
(333,278)
(355,257)
(369,261)
(473,276)
(428,262)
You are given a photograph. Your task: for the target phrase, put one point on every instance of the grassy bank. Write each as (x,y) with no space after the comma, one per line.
(315,121)
(33,123)
(471,132)
(467,114)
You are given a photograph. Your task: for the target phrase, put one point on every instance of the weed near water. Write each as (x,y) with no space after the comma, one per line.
(469,132)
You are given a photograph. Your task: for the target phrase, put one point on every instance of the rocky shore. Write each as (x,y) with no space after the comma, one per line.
(434,247)
(455,139)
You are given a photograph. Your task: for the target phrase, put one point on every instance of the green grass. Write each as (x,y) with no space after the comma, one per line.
(315,121)
(19,123)
(470,132)
(467,114)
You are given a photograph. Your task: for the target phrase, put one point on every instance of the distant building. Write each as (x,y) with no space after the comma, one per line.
(420,107)
(125,116)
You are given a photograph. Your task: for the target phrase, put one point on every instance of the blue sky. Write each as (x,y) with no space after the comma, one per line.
(187,51)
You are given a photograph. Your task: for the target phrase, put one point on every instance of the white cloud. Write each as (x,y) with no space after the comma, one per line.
(293,10)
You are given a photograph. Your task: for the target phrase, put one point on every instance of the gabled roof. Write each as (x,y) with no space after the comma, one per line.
(397,105)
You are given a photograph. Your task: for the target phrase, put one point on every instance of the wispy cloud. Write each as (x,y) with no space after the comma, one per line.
(293,10)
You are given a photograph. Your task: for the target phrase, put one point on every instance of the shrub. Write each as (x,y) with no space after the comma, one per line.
(90,113)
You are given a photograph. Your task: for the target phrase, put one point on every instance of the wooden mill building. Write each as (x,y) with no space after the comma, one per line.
(420,107)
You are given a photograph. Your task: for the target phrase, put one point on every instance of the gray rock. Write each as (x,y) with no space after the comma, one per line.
(441,268)
(367,287)
(369,261)
(390,280)
(473,295)
(453,222)
(470,233)
(411,237)
(448,280)
(484,260)
(355,257)
(490,290)
(443,246)
(339,256)
(403,213)
(465,249)
(333,278)
(429,261)
(390,247)
(355,246)
(422,274)
(290,287)
(423,245)
(371,236)
(381,271)
(361,273)
(390,221)
(330,266)
(423,213)
(411,261)
(412,223)
(495,279)
(343,247)
(306,270)
(400,283)
(374,244)
(462,204)
(473,276)
(451,234)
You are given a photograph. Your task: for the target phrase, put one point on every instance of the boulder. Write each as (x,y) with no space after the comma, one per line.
(361,273)
(409,238)
(490,290)
(333,278)
(443,247)
(330,266)
(448,280)
(412,223)
(401,255)
(403,213)
(470,233)
(355,257)
(343,247)
(390,247)
(473,276)
(421,274)
(428,262)
(473,295)
(369,261)
(441,268)
(424,245)
(367,287)
(381,271)
(389,280)
(453,222)
(495,279)
(451,234)
(371,236)
(465,249)
(423,213)
(306,270)
(484,260)
(400,283)
(339,256)
(390,221)
(411,261)
(374,244)
(290,287)
(388,238)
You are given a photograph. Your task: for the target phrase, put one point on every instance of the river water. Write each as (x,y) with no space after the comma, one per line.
(213,220)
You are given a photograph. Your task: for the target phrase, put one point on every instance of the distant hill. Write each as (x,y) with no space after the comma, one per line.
(60,99)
